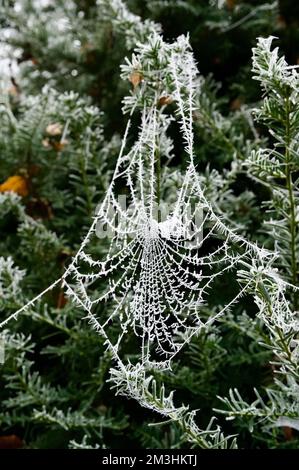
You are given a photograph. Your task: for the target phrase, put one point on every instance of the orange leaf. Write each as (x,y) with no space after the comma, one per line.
(230,4)
(165,100)
(236,104)
(16,184)
(58,146)
(62,300)
(135,78)
(39,209)
(288,433)
(10,442)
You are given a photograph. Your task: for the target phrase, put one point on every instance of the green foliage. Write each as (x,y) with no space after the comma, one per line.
(55,380)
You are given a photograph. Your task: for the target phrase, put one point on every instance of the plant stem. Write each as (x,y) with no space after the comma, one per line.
(292,214)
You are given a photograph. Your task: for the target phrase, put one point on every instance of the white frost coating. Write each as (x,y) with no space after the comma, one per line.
(126,22)
(10,278)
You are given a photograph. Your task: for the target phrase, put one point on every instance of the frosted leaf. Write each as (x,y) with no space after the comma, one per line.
(10,279)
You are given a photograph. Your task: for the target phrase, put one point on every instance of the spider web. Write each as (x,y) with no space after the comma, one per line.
(158,274)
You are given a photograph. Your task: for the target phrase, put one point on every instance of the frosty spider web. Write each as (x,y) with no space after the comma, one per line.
(158,274)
